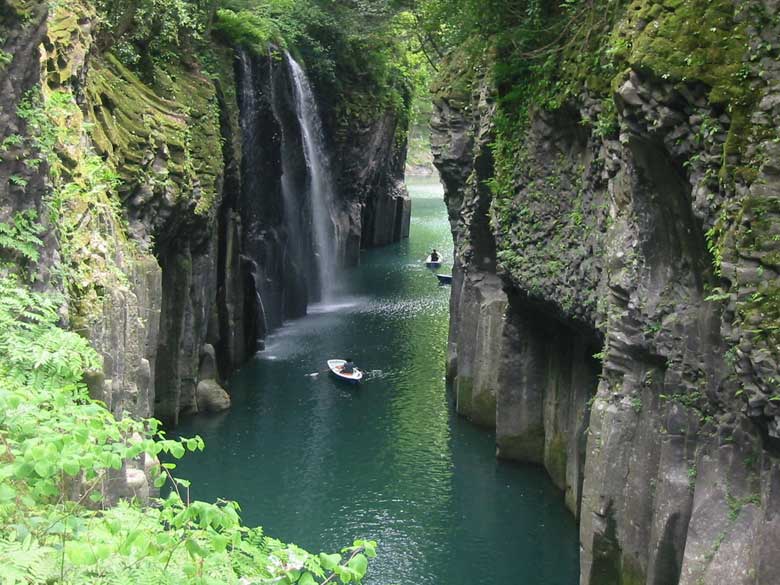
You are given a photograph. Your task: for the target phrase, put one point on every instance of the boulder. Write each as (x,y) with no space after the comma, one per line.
(211,397)
(137,484)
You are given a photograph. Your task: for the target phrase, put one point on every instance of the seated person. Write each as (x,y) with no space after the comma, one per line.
(434,256)
(349,367)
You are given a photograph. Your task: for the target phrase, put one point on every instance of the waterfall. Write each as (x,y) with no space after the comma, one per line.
(287,204)
(320,183)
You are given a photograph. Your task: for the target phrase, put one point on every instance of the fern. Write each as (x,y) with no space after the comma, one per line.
(25,562)
(20,236)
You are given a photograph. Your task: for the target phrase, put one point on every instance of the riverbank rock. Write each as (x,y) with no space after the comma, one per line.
(211,397)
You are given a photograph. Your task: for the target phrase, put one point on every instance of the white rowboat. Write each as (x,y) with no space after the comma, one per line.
(335,368)
(432,264)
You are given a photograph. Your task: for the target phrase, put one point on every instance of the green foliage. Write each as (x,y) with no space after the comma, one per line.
(256,24)
(20,236)
(59,449)
(5,58)
(153,29)
(18,180)
(248,29)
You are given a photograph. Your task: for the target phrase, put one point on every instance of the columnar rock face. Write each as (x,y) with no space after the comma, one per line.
(628,287)
(179,262)
(372,175)
(369,156)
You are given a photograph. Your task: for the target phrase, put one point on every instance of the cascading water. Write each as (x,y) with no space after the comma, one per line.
(320,183)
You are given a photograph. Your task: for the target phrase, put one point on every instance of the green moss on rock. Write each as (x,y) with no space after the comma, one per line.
(687,41)
(632,573)
(171,143)
(483,407)
(22,9)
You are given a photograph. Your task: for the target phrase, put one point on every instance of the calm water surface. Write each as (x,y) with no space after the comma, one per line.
(319,463)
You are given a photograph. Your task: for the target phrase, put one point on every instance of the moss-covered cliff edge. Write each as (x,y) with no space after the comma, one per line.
(613,204)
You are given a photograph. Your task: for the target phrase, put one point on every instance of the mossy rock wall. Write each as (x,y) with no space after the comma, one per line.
(134,172)
(631,207)
(164,141)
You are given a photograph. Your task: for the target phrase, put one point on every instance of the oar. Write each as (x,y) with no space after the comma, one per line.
(318,373)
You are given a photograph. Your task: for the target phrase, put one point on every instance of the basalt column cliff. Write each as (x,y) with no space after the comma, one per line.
(181,189)
(615,301)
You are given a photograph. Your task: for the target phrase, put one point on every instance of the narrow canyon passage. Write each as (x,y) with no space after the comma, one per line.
(318,463)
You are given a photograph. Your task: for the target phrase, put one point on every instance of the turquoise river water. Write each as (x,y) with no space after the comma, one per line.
(319,463)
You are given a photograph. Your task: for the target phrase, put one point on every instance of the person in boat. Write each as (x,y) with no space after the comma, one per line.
(349,367)
(434,256)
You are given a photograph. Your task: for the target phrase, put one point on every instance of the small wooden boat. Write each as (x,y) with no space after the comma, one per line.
(434,264)
(444,278)
(335,367)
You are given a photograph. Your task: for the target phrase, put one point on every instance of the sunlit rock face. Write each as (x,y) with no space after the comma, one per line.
(622,287)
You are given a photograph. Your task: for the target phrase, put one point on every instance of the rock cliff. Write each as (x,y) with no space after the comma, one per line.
(161,194)
(614,306)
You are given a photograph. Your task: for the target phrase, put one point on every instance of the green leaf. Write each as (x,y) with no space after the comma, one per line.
(115,462)
(344,573)
(329,562)
(102,551)
(195,550)
(44,469)
(219,542)
(7,493)
(359,564)
(80,554)
(70,467)
(307,579)
(177,450)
